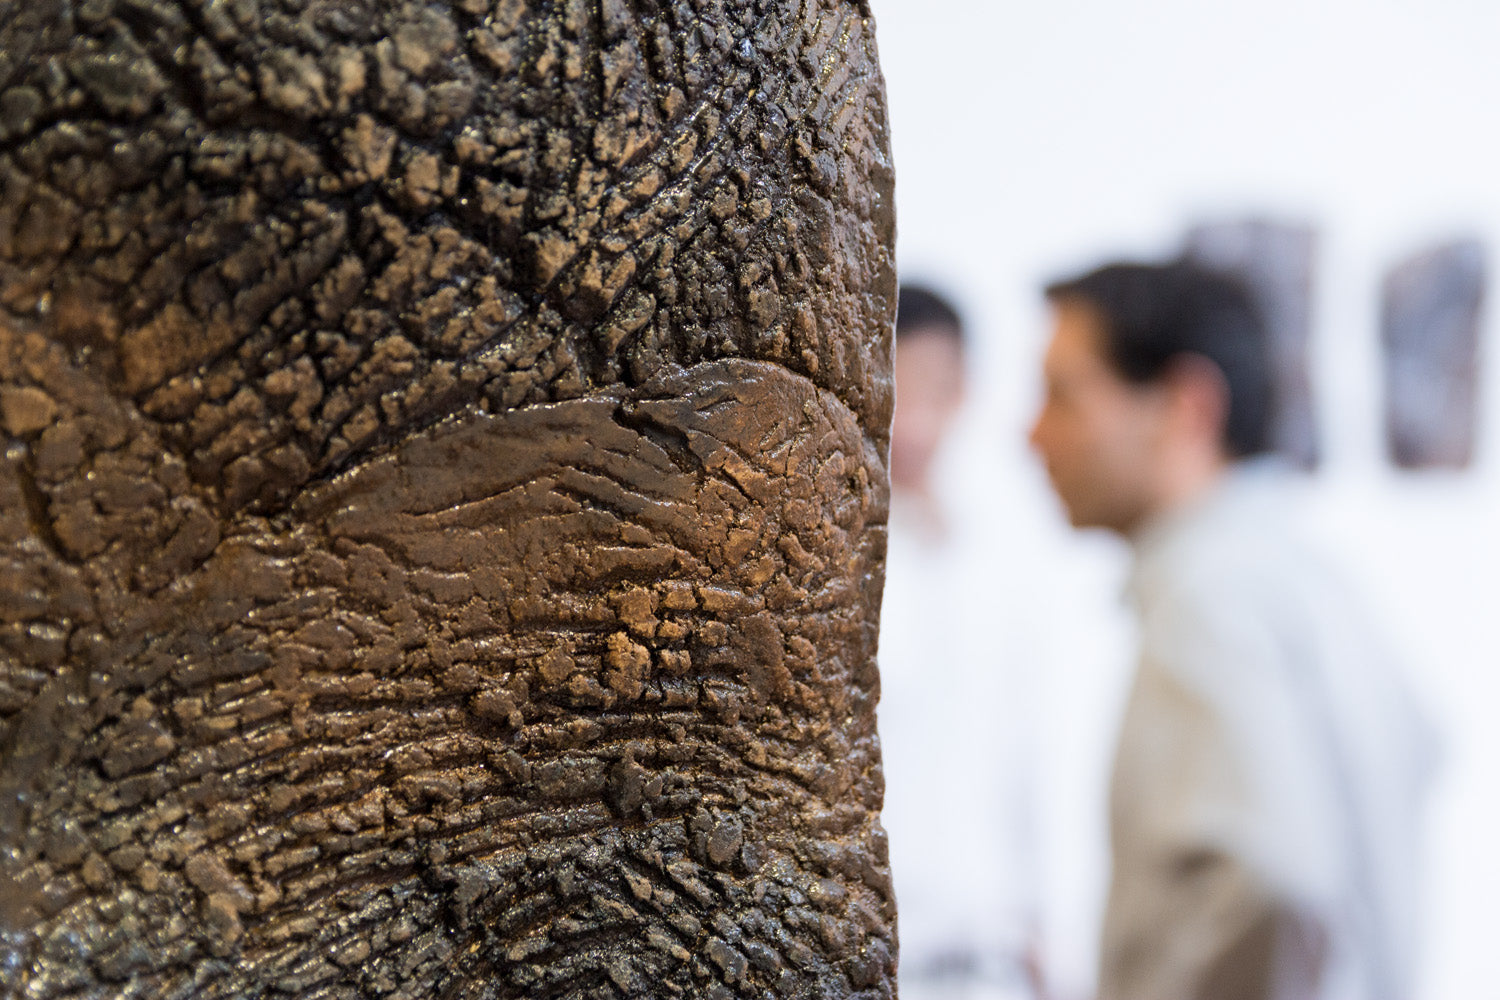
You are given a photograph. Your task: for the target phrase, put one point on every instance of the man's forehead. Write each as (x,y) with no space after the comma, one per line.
(1077,332)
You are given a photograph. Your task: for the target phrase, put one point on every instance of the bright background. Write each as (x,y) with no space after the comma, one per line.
(1034,139)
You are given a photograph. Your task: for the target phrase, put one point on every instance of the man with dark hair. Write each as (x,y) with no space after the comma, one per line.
(1140,345)
(929,373)
(1267,782)
(957,777)
(1160,314)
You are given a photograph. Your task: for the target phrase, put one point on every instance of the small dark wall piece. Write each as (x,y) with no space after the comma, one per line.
(1430,309)
(1276,261)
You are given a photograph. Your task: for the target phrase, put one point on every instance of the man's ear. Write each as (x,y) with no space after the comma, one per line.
(1199,397)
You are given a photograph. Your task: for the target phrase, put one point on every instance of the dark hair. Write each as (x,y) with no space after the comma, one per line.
(1153,314)
(920,308)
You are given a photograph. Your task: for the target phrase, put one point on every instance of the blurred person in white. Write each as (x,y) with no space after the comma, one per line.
(1266,798)
(953,728)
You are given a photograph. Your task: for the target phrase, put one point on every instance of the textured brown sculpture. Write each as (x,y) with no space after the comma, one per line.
(442,499)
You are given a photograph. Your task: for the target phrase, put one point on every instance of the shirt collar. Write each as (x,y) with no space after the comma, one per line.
(1241,480)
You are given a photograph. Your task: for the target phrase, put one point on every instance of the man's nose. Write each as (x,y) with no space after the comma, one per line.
(1034,434)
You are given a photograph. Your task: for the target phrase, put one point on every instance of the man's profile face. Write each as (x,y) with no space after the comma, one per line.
(1098,434)
(929,373)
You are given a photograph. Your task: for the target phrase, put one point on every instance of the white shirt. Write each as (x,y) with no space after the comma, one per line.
(1266,799)
(954,730)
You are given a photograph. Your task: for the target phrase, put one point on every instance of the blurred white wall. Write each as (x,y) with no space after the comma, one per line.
(1034,139)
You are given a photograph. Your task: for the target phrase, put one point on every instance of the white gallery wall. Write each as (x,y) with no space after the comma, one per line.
(1032,140)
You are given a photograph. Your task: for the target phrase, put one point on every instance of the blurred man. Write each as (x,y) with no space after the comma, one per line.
(1265,797)
(929,373)
(953,725)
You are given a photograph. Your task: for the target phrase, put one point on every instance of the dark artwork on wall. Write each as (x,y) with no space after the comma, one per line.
(1430,307)
(442,499)
(1276,262)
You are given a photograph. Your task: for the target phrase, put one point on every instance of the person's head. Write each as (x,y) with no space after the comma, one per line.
(929,373)
(1157,377)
